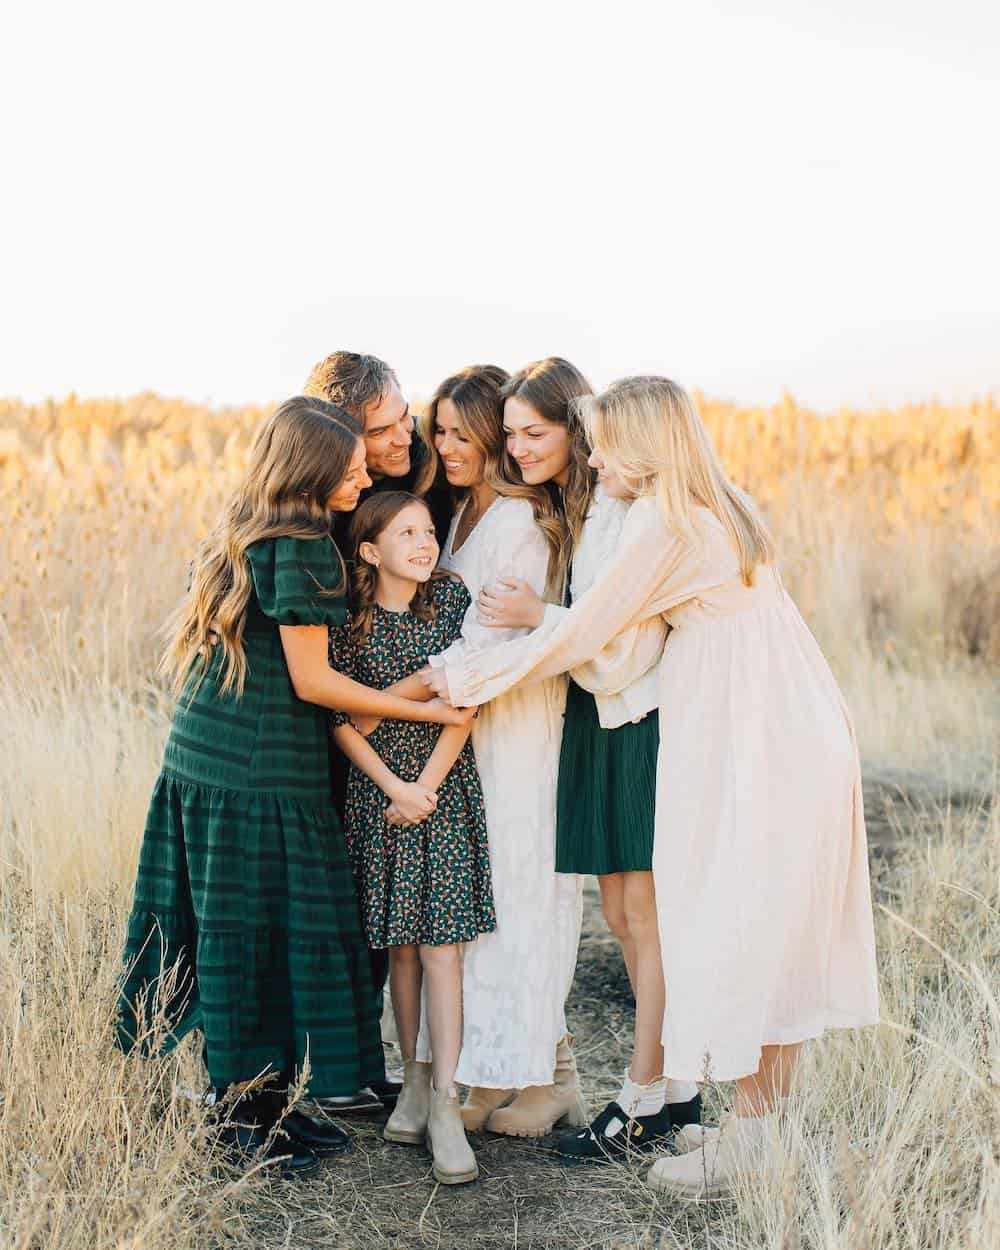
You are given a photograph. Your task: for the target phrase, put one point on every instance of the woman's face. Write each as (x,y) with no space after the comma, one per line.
(540,447)
(613,483)
(463,462)
(355,480)
(407,548)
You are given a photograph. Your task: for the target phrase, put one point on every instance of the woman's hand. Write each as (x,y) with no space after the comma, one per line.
(366,725)
(510,604)
(435,679)
(411,803)
(444,714)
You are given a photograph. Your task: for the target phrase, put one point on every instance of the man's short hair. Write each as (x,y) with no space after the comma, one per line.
(350,380)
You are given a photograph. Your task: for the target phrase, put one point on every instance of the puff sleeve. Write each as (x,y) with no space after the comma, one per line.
(298,581)
(452,601)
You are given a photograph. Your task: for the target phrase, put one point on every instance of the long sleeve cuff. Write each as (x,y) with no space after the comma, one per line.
(467,668)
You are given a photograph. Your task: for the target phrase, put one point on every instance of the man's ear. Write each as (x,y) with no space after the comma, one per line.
(369,553)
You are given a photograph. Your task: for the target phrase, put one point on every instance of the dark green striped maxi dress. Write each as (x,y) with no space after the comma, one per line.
(243,887)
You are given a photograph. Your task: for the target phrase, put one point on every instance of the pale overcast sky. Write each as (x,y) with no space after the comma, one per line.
(203,198)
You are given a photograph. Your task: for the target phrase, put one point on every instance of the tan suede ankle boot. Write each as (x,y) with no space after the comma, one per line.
(537,1109)
(739,1152)
(480,1103)
(408,1122)
(454,1162)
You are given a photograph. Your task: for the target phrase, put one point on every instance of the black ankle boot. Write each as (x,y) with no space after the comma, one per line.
(316,1132)
(245,1132)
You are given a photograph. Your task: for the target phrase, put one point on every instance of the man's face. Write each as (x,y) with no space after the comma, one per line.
(388,434)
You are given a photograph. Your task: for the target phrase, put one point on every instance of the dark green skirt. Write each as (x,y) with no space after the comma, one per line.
(607,791)
(245,925)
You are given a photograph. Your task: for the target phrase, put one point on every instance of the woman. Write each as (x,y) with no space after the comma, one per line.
(515,1047)
(760,855)
(607,763)
(244,922)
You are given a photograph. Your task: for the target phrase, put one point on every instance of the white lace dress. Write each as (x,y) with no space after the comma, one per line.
(516,979)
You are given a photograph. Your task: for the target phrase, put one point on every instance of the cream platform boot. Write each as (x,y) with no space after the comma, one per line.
(743,1148)
(480,1103)
(454,1162)
(537,1109)
(408,1122)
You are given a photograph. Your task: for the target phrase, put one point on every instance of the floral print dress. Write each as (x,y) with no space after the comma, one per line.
(426,883)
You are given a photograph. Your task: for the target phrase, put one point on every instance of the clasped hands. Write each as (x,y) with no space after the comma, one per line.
(411,803)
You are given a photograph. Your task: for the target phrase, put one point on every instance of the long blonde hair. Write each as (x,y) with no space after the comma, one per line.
(477,394)
(650,433)
(299,457)
(555,388)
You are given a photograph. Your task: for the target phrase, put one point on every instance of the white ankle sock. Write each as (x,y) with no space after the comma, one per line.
(636,1100)
(680,1091)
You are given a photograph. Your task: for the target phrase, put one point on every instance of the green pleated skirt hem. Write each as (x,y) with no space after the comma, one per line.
(607,791)
(245,925)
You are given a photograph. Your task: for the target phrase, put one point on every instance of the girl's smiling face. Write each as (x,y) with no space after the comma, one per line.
(614,484)
(539,447)
(463,461)
(356,479)
(407,548)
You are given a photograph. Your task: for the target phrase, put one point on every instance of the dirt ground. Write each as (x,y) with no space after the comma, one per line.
(383,1195)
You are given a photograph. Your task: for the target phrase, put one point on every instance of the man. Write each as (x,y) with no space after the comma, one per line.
(397,459)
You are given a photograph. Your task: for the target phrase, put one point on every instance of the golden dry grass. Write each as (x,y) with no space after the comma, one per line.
(887,523)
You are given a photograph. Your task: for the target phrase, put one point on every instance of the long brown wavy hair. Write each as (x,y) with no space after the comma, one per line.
(376,513)
(554,388)
(299,457)
(477,393)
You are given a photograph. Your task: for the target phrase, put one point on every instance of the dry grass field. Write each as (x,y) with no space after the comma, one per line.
(888,526)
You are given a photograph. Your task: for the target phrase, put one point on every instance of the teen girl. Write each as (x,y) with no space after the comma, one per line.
(760,857)
(244,895)
(515,1046)
(607,764)
(416,828)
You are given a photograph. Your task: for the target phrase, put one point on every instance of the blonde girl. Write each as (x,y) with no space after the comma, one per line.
(760,856)
(416,828)
(244,897)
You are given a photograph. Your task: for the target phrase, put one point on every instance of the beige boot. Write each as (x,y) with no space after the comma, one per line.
(408,1122)
(748,1149)
(480,1103)
(537,1109)
(454,1162)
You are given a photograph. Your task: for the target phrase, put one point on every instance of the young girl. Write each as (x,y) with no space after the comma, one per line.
(607,762)
(416,828)
(760,856)
(244,894)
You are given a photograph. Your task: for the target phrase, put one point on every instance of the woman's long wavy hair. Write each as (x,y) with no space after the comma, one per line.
(555,389)
(650,433)
(298,458)
(372,519)
(477,393)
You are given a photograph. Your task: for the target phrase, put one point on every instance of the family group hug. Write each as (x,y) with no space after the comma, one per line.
(428,679)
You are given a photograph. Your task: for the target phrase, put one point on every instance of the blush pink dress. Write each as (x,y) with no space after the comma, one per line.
(760,855)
